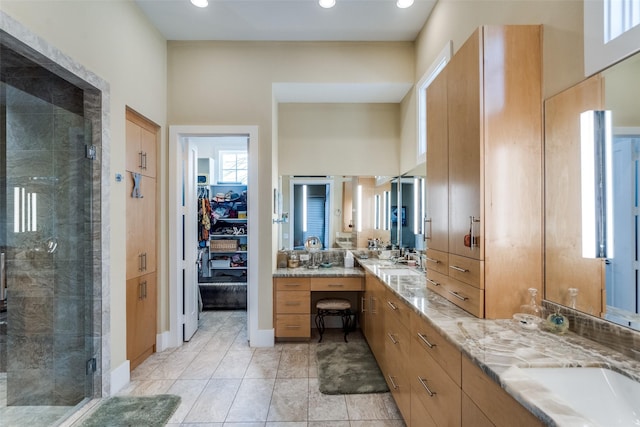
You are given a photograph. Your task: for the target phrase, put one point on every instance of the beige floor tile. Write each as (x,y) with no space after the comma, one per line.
(294,364)
(188,390)
(290,400)
(146,387)
(244,424)
(264,364)
(378,423)
(252,400)
(203,366)
(366,407)
(173,366)
(286,424)
(325,407)
(329,424)
(214,402)
(234,364)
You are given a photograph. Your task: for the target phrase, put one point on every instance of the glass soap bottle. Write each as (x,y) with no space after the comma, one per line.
(533,308)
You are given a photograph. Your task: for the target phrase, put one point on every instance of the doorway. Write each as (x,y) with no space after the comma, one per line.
(179,181)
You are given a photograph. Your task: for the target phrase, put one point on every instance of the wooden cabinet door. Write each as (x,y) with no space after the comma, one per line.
(141,318)
(142,140)
(437,197)
(464,116)
(141,228)
(564,265)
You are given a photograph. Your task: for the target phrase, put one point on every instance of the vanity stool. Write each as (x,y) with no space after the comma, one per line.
(333,307)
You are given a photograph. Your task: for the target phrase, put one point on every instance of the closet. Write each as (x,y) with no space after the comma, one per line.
(484,172)
(142,137)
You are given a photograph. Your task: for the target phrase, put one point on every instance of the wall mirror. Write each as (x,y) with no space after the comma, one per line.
(607,288)
(410,224)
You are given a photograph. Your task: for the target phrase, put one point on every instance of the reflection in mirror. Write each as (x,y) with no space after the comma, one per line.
(328,207)
(608,288)
(412,193)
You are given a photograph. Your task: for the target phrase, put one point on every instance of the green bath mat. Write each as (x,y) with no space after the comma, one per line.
(138,411)
(348,368)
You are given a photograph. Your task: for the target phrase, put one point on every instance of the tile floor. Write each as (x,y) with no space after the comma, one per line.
(225,383)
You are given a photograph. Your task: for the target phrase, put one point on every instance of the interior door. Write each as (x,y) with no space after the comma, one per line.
(190,290)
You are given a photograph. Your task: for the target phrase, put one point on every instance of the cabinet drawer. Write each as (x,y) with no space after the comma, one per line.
(472,416)
(465,296)
(292,284)
(394,306)
(293,325)
(424,335)
(297,302)
(419,414)
(396,354)
(438,261)
(501,409)
(336,284)
(466,270)
(434,389)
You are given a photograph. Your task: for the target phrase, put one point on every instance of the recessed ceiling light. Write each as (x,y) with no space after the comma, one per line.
(327,3)
(200,3)
(403,4)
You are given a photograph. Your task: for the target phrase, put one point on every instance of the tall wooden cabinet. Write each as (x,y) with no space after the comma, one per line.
(493,141)
(141,147)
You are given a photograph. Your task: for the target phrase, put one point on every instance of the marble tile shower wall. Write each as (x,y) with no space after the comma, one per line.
(611,335)
(50,286)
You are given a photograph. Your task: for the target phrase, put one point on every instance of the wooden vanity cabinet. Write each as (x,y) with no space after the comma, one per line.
(397,350)
(486,397)
(494,175)
(373,314)
(292,307)
(292,301)
(435,376)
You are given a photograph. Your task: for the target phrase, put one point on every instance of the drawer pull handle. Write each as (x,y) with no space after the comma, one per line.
(435,261)
(457,295)
(292,303)
(433,282)
(460,269)
(293,326)
(393,383)
(392,305)
(393,340)
(292,285)
(335,285)
(424,339)
(426,387)
(362,305)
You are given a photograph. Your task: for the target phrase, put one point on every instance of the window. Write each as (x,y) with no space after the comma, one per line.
(438,65)
(619,17)
(611,32)
(233,167)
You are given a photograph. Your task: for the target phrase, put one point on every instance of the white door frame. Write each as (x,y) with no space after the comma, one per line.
(176,133)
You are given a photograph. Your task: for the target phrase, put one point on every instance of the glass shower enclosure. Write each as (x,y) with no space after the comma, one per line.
(46,257)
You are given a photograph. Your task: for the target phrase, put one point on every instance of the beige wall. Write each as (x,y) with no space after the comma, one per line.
(230,83)
(563,60)
(330,139)
(113,40)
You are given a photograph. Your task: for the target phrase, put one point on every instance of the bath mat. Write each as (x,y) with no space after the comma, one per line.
(138,411)
(348,368)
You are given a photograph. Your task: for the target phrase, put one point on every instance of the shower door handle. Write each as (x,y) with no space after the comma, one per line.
(3,278)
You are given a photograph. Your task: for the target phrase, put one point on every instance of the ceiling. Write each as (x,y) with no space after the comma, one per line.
(287,20)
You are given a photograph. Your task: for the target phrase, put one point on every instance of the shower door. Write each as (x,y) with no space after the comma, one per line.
(46,354)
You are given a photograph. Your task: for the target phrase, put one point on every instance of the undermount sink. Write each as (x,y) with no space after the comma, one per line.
(602,395)
(399,271)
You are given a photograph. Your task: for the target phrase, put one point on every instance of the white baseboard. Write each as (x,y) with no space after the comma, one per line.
(163,341)
(263,338)
(120,377)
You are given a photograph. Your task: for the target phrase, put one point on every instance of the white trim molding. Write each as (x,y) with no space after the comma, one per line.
(176,133)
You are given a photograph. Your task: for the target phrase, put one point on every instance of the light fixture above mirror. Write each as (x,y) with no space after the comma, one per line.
(327,4)
(200,3)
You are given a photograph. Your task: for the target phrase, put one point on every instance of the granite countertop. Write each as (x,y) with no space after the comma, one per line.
(333,271)
(501,347)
